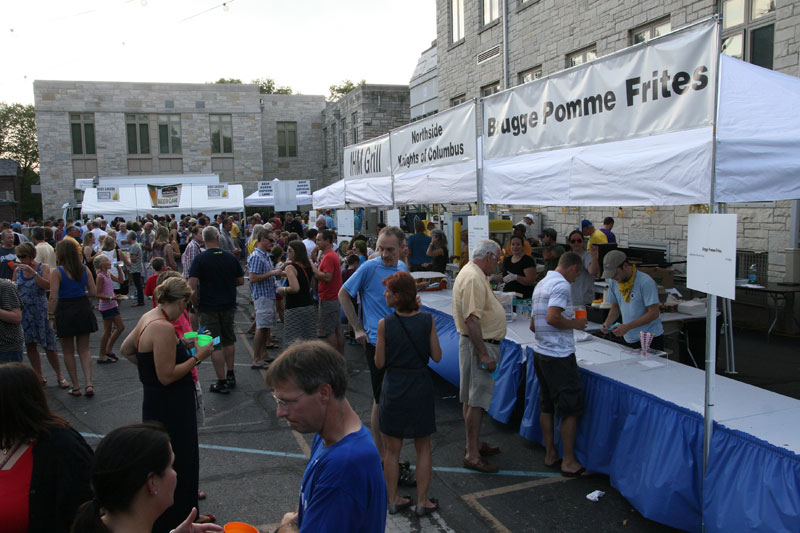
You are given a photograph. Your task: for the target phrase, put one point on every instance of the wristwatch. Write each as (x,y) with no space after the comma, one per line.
(197,360)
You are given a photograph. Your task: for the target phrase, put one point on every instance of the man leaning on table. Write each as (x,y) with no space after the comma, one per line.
(481,321)
(635,295)
(560,390)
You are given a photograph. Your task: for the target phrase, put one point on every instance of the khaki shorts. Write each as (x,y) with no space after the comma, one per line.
(220,324)
(265,312)
(330,318)
(476,385)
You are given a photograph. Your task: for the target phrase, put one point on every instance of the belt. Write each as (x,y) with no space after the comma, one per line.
(490,341)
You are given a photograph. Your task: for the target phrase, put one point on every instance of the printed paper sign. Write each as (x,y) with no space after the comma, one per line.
(218,191)
(477,230)
(368,159)
(345,222)
(265,188)
(164,195)
(664,86)
(303,186)
(445,138)
(393,217)
(711,255)
(107,194)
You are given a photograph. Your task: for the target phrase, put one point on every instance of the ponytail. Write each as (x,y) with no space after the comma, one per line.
(87,519)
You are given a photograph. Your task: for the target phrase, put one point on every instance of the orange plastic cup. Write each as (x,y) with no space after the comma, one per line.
(580,313)
(239,527)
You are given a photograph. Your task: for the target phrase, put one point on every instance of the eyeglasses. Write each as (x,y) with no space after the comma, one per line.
(287,403)
(576,240)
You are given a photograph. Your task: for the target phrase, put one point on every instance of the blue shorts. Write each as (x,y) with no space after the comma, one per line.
(109,314)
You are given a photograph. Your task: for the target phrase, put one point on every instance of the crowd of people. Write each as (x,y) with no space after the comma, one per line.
(298,273)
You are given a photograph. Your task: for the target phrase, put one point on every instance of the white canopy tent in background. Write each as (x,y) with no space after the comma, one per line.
(135,201)
(329,197)
(254,200)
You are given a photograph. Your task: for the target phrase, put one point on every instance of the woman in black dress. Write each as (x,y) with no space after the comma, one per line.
(519,270)
(165,367)
(300,318)
(406,340)
(437,249)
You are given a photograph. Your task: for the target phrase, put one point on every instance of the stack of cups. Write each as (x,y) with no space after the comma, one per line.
(645,339)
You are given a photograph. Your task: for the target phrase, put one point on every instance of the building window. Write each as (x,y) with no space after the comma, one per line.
(287,139)
(169,134)
(355,127)
(324,147)
(748,30)
(138,133)
(458,100)
(529,75)
(457,19)
(82,129)
(581,56)
(221,134)
(488,90)
(650,31)
(491,11)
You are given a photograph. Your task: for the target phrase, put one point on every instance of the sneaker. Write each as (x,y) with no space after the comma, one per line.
(230,380)
(220,387)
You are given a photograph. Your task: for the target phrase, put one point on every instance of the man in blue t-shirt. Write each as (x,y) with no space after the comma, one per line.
(343,488)
(418,247)
(367,281)
(634,295)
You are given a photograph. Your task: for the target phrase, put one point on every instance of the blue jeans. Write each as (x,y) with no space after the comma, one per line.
(11,357)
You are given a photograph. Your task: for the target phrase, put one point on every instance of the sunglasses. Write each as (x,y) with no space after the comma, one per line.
(575,240)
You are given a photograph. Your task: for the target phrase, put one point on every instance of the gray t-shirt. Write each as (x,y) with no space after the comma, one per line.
(135,253)
(552,291)
(582,288)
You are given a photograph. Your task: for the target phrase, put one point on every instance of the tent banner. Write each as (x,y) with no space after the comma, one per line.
(164,195)
(660,86)
(107,194)
(367,159)
(218,191)
(445,138)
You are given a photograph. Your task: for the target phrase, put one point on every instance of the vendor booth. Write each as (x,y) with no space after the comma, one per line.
(131,201)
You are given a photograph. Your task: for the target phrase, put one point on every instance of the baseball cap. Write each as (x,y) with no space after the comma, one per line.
(612,261)
(550,232)
(530,216)
(586,223)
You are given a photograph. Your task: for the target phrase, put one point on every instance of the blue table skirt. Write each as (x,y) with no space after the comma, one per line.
(652,449)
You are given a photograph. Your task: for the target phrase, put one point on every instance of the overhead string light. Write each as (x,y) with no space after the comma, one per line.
(223,5)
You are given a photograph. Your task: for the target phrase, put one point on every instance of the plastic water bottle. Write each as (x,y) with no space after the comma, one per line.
(751,277)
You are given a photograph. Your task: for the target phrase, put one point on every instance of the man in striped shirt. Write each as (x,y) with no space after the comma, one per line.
(262,288)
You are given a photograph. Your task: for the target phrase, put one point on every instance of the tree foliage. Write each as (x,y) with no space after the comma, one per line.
(265,85)
(18,142)
(337,91)
(229,80)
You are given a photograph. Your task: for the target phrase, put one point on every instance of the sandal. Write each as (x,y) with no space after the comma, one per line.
(64,384)
(44,382)
(112,356)
(88,391)
(395,508)
(75,392)
(106,361)
(260,365)
(422,511)
(272,346)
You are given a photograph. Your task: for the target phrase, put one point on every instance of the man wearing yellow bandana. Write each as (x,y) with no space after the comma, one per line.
(634,295)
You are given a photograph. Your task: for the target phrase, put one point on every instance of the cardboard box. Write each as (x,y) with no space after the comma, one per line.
(662,276)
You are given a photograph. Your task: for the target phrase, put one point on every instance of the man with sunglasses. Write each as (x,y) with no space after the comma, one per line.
(262,289)
(343,487)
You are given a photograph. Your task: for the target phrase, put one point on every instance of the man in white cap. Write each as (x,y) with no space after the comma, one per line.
(634,295)
(530,230)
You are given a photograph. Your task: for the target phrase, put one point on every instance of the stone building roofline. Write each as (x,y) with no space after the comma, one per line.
(162,85)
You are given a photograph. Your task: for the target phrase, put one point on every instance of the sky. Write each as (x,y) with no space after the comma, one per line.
(305,44)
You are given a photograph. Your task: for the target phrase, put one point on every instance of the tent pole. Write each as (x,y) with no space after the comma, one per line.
(478,169)
(711,307)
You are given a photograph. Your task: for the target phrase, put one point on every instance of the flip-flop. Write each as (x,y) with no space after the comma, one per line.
(64,384)
(577,473)
(88,391)
(75,392)
(422,511)
(395,508)
(112,356)
(272,346)
(106,361)
(555,464)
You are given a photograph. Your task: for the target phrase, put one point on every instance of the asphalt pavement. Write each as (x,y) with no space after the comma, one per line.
(251,463)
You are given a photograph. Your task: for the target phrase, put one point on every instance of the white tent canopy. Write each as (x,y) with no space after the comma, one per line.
(135,201)
(369,191)
(329,197)
(254,200)
(446,184)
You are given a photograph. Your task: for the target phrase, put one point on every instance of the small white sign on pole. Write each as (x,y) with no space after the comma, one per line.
(285,195)
(393,217)
(345,222)
(711,254)
(303,186)
(477,230)
(312,218)
(265,188)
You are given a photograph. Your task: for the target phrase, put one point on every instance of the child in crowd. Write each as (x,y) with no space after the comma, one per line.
(158,265)
(109,309)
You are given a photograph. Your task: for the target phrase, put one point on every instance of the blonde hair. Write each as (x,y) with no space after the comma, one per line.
(172,289)
(108,244)
(99,259)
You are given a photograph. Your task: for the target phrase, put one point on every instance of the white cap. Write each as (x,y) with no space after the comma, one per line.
(530,216)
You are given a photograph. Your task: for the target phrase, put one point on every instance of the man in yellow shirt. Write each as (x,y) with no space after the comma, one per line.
(595,236)
(481,321)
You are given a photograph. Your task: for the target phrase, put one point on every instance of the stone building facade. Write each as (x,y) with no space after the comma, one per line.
(10,190)
(546,36)
(88,129)
(366,112)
